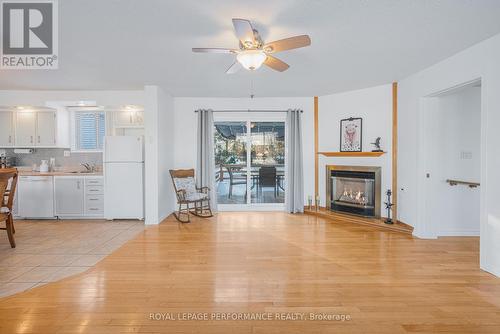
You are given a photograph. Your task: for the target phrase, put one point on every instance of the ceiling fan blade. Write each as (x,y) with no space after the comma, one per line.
(276,64)
(244,31)
(287,44)
(213,50)
(235,67)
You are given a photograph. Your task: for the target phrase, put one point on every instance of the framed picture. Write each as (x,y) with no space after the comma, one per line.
(351,134)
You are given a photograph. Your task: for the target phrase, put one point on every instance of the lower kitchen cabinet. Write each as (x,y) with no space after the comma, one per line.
(69,196)
(79,196)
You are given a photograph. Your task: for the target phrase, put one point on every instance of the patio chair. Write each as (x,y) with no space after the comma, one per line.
(267,178)
(188,194)
(235,179)
(8,183)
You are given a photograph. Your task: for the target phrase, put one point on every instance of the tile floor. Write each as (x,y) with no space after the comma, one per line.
(50,250)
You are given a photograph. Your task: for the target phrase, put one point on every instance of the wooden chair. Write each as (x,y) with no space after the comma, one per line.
(8,183)
(188,194)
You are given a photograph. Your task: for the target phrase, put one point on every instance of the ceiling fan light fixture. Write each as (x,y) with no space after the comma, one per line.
(251,59)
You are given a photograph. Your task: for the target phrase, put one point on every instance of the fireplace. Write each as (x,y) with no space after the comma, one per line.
(353,189)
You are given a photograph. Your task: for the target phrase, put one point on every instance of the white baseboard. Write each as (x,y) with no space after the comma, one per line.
(472,233)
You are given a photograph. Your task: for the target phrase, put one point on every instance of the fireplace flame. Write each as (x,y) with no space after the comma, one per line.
(357,197)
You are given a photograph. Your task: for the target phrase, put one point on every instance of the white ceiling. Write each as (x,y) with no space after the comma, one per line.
(125,44)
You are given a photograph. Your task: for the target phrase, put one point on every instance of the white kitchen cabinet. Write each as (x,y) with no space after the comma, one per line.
(94,196)
(6,129)
(128,119)
(25,129)
(35,129)
(45,128)
(69,196)
(35,197)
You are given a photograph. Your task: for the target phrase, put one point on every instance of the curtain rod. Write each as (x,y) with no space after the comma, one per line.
(250,110)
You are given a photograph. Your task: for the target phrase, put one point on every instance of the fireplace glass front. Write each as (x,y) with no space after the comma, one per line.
(353,192)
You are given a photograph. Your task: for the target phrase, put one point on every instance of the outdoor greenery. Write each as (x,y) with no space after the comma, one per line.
(270,150)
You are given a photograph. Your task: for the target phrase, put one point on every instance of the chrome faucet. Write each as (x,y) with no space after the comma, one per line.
(90,168)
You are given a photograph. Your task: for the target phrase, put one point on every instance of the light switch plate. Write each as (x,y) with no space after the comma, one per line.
(466,155)
(67,153)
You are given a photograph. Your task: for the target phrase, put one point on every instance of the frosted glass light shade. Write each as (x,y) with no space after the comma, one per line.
(251,59)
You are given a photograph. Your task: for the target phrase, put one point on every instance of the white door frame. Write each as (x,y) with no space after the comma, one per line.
(426,228)
(249,117)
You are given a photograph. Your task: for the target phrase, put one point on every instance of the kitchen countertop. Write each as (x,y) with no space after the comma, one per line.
(26,171)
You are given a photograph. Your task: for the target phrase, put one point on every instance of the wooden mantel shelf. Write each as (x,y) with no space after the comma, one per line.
(352,154)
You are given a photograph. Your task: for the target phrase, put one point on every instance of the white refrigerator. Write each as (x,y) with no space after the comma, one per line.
(124,177)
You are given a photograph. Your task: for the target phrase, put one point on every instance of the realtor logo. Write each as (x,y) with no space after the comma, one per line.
(29,34)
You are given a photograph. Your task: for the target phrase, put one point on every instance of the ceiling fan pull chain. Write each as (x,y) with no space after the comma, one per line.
(251,88)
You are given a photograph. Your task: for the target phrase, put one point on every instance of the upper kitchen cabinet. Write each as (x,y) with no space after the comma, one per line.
(128,118)
(34,128)
(46,128)
(6,129)
(25,128)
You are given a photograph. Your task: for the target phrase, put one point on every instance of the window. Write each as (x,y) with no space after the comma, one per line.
(90,129)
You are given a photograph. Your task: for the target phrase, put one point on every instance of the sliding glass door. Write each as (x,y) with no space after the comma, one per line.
(250,162)
(231,162)
(267,162)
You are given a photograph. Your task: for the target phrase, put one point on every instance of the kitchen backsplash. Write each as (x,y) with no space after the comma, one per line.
(75,159)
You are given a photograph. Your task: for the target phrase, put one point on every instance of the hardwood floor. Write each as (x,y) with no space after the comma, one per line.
(258,263)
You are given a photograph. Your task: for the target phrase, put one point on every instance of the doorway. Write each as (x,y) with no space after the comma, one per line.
(249,151)
(452,158)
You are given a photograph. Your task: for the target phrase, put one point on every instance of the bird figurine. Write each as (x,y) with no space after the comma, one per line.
(377,145)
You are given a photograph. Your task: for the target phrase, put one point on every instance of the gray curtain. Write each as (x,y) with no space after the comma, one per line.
(205,174)
(295,175)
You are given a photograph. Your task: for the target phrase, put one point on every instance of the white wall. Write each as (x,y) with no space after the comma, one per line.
(102,97)
(479,61)
(158,127)
(374,105)
(166,195)
(185,126)
(453,150)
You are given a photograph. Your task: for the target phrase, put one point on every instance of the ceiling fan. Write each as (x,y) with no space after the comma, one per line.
(252,52)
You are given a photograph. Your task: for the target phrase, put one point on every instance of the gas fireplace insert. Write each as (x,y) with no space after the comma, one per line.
(354,189)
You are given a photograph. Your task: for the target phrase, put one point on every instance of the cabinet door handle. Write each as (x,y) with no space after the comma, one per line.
(77,184)
(31,139)
(10,139)
(38,139)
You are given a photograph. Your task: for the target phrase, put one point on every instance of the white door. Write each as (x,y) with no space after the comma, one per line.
(25,128)
(123,149)
(69,196)
(6,138)
(46,129)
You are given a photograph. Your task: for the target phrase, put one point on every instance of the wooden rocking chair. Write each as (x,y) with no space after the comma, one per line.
(188,194)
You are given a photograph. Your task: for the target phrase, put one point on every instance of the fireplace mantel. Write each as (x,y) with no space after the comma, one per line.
(352,154)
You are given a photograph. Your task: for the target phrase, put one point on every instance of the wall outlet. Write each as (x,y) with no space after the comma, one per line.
(67,153)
